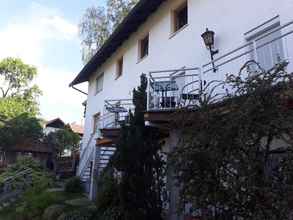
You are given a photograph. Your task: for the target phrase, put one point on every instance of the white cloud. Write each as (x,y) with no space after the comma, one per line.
(57,24)
(26,37)
(58,99)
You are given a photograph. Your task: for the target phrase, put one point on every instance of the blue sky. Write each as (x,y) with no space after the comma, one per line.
(44,33)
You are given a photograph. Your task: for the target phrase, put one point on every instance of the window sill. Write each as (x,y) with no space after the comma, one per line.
(178,31)
(141,59)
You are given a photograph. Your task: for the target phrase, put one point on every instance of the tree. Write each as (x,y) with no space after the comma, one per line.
(234,159)
(94,30)
(117,10)
(63,139)
(97,24)
(18,103)
(15,86)
(12,107)
(139,162)
(16,78)
(20,128)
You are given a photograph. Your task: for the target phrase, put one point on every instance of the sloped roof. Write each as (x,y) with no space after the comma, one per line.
(76,128)
(55,123)
(136,17)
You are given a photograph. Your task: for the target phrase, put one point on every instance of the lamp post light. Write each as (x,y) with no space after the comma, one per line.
(209,40)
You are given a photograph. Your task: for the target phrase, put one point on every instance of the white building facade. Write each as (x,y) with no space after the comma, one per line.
(167,38)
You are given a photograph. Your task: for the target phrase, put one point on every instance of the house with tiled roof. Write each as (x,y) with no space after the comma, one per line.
(177,44)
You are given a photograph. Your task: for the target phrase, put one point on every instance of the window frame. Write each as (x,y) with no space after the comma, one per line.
(96,118)
(175,18)
(257,33)
(99,78)
(119,67)
(144,46)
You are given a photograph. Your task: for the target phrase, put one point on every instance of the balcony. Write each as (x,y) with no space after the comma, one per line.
(116,112)
(174,89)
(171,89)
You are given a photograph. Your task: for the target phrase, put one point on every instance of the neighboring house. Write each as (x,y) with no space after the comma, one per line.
(53,125)
(68,163)
(36,149)
(57,124)
(163,39)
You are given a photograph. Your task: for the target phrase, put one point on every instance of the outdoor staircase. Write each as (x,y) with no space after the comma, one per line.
(85,163)
(94,158)
(104,154)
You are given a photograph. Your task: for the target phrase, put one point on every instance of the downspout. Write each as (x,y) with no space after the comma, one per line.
(79,90)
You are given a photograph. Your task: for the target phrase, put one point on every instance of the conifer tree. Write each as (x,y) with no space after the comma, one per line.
(139,163)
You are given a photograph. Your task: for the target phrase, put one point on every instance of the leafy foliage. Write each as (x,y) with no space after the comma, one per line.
(15,81)
(107,199)
(53,212)
(12,107)
(94,30)
(117,10)
(18,103)
(98,22)
(18,129)
(234,158)
(74,185)
(40,179)
(78,214)
(63,139)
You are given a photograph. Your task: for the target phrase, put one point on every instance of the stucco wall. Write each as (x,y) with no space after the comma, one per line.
(230,19)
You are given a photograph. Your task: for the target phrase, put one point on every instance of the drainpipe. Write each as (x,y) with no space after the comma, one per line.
(79,90)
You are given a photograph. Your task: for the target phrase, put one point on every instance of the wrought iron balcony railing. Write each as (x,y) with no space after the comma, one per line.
(267,49)
(116,112)
(171,89)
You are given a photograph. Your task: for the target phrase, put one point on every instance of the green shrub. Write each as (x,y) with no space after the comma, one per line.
(35,202)
(39,177)
(79,214)
(74,185)
(53,212)
(79,202)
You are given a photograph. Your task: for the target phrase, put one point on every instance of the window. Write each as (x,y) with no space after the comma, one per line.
(99,83)
(180,17)
(144,47)
(119,70)
(267,46)
(96,119)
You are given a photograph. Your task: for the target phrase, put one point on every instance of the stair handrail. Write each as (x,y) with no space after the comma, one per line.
(86,154)
(6,187)
(20,173)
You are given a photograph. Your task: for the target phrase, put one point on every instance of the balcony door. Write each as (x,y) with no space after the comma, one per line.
(268,48)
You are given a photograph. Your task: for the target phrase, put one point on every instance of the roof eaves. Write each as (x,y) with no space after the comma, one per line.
(141,11)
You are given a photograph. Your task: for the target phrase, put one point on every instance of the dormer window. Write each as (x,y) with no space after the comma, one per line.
(180,17)
(144,47)
(119,68)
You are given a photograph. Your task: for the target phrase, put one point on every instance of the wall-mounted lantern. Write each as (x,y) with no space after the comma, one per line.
(209,40)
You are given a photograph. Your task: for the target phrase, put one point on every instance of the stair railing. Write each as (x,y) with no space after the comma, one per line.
(10,190)
(86,156)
